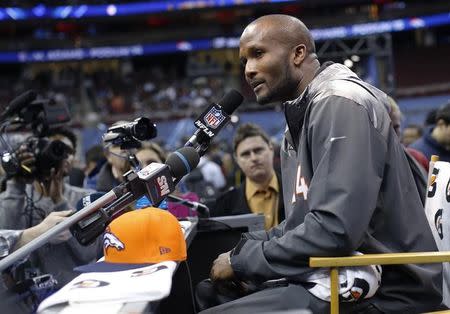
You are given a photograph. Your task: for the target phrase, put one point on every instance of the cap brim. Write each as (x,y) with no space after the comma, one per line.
(102,267)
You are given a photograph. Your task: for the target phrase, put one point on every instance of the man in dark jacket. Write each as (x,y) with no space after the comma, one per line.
(347,184)
(260,193)
(436,139)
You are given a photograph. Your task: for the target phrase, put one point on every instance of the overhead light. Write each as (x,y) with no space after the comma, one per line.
(348,63)
(355,58)
(111,10)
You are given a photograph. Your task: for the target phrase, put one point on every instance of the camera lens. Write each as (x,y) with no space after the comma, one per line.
(144,129)
(56,150)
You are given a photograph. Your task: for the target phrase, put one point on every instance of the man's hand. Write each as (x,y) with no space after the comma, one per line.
(224,279)
(54,185)
(221,269)
(27,164)
(50,221)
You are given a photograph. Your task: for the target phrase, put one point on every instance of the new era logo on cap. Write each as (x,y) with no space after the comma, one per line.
(164,250)
(141,237)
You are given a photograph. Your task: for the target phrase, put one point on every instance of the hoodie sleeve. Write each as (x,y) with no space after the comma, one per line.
(347,157)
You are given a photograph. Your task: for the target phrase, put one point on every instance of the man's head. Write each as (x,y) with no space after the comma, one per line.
(395,115)
(441,131)
(278,54)
(411,133)
(253,152)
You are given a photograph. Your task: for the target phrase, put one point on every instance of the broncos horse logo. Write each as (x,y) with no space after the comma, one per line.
(110,240)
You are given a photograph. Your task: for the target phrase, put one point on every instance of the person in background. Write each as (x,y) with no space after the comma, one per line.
(207,179)
(95,159)
(436,139)
(74,175)
(112,171)
(417,161)
(347,186)
(260,192)
(430,118)
(411,133)
(152,152)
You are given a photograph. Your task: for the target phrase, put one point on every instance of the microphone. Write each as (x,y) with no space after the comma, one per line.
(156,181)
(202,209)
(213,119)
(18,103)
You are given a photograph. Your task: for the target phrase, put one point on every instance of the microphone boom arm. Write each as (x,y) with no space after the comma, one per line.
(36,243)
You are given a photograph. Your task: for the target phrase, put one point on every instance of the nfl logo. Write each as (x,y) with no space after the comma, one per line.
(214,117)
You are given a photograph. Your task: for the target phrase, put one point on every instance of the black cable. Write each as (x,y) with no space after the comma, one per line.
(194,306)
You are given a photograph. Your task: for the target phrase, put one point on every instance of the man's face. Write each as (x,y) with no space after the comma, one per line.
(267,65)
(255,158)
(410,135)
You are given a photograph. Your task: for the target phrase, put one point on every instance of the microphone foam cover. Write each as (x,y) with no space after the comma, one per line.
(231,101)
(182,161)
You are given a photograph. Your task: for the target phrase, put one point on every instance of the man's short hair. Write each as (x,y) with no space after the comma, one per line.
(443,113)
(248,130)
(64,131)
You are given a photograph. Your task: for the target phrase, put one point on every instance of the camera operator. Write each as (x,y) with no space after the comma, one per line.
(111,173)
(29,199)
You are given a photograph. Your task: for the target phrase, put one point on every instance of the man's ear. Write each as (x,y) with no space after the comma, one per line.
(299,54)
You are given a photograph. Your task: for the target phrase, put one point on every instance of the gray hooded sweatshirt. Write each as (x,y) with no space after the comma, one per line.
(347,187)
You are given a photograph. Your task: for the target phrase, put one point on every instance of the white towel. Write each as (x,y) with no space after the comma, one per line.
(355,283)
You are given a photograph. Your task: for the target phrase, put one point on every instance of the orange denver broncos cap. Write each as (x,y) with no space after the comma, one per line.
(140,238)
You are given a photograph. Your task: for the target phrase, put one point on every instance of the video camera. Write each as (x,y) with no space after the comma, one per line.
(129,135)
(27,110)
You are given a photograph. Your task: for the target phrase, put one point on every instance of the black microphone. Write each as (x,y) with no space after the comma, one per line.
(159,178)
(18,103)
(213,119)
(156,181)
(200,208)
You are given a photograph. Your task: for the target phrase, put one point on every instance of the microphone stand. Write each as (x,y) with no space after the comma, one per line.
(36,243)
(200,208)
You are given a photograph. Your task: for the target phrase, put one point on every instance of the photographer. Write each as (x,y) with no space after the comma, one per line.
(36,192)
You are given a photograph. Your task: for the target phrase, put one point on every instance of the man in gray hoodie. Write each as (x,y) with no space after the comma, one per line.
(347,184)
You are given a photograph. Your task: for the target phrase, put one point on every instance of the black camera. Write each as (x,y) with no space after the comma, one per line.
(129,134)
(39,114)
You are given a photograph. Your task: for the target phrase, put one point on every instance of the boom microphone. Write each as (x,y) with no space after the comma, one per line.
(18,103)
(212,120)
(200,208)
